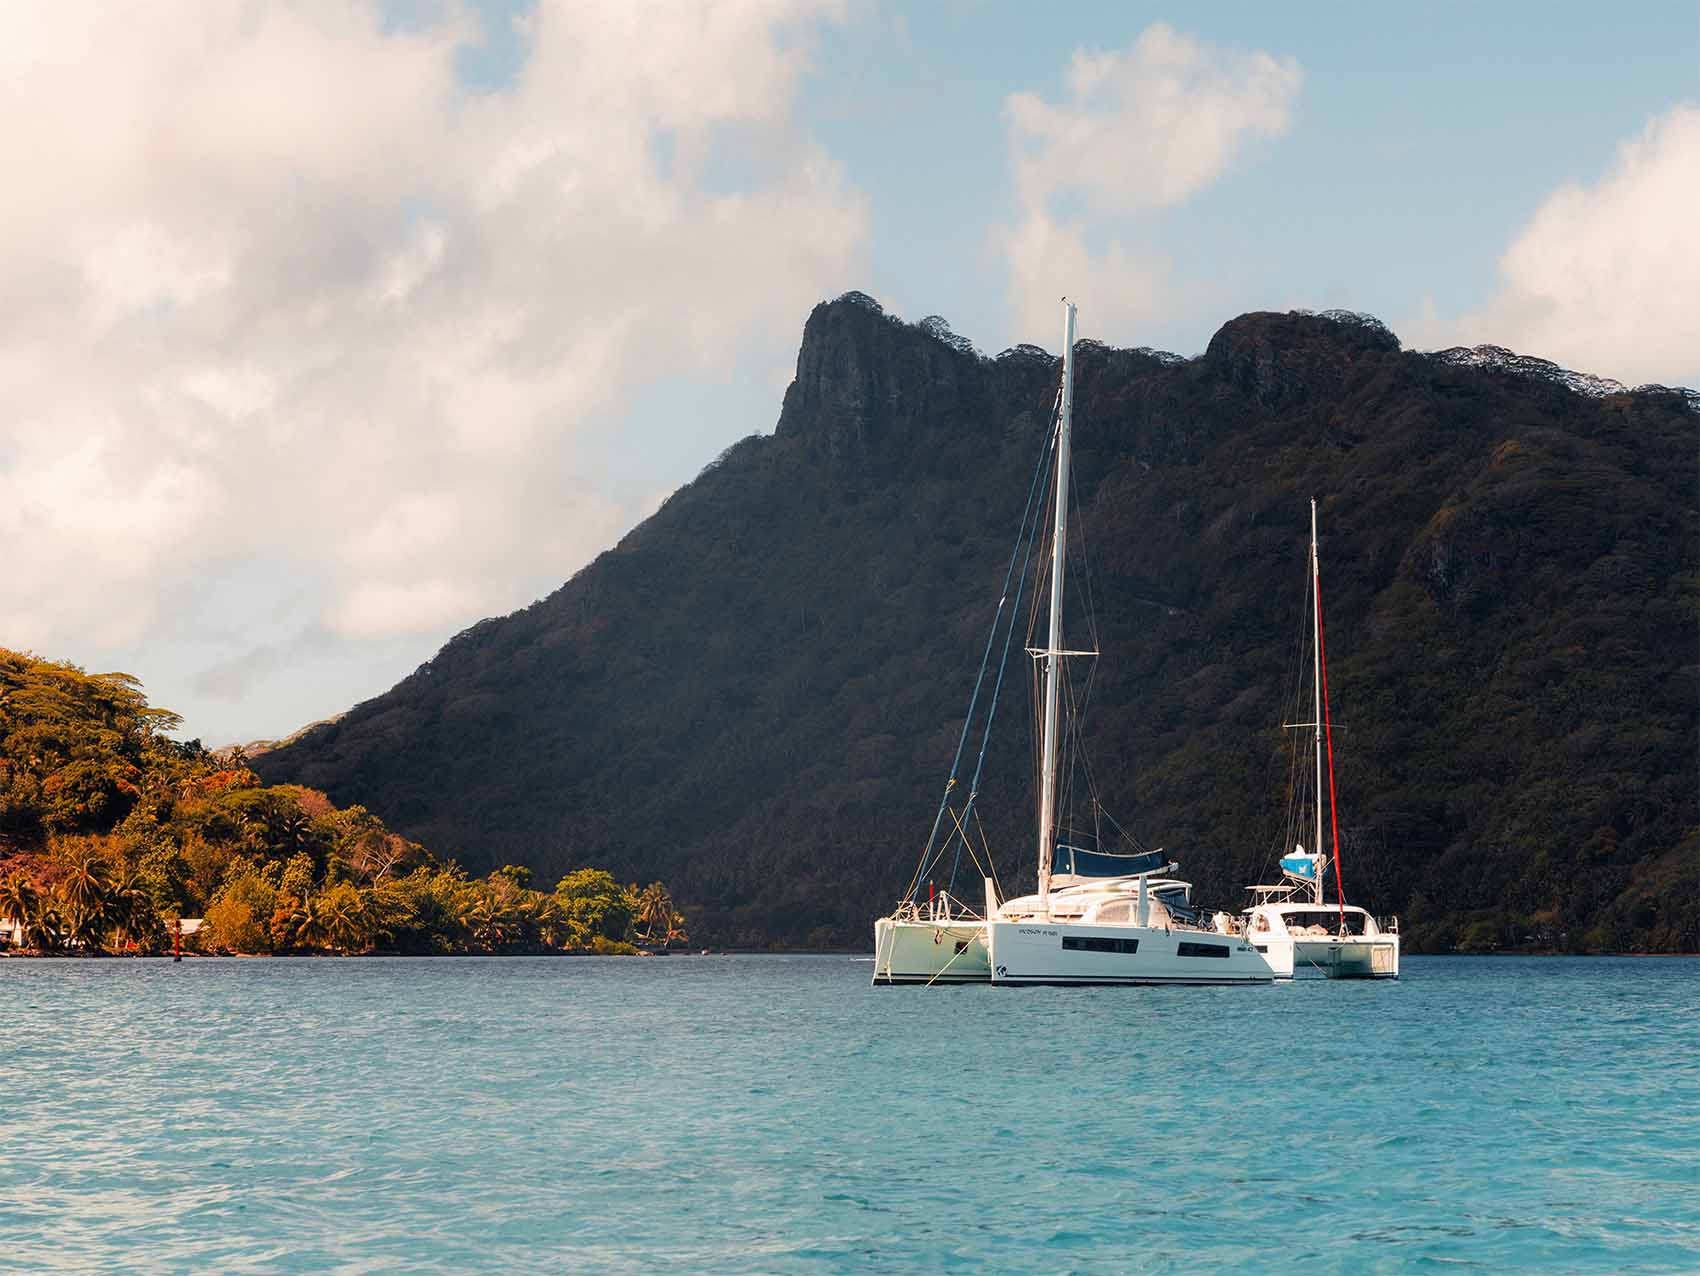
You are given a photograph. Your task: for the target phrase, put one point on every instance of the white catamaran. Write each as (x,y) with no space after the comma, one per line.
(1291,922)
(1097,918)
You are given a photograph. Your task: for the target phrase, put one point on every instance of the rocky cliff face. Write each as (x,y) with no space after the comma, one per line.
(863,384)
(757,692)
(1275,357)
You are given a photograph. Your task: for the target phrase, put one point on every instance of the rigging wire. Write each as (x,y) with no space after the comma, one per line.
(1084,575)
(1328,727)
(1298,759)
(1077,701)
(997,689)
(929,856)
(1035,721)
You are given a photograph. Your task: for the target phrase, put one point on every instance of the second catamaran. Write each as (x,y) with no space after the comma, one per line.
(1291,921)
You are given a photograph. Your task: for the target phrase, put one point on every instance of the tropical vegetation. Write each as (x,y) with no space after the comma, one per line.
(112,832)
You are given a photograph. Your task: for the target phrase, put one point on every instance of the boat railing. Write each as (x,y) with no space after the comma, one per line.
(938,910)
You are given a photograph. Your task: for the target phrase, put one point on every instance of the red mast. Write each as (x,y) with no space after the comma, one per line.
(1328,727)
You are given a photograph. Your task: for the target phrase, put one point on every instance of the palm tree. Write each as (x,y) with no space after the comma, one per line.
(309,924)
(45,930)
(342,918)
(129,908)
(490,920)
(294,831)
(676,932)
(279,831)
(83,888)
(379,918)
(354,917)
(18,900)
(85,928)
(655,910)
(83,892)
(550,920)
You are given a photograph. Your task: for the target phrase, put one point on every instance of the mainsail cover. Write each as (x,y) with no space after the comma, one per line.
(1077,861)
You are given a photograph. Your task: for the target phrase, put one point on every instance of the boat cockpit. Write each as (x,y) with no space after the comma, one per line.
(1309,922)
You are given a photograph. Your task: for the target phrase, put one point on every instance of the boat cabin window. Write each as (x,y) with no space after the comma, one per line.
(1327,918)
(1119,911)
(1203,950)
(1100,944)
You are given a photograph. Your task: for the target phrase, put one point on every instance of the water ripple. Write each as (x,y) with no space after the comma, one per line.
(777,1115)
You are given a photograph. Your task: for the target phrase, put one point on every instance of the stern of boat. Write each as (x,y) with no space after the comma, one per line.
(1371,957)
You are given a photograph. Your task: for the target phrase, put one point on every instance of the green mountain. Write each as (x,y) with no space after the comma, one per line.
(757,693)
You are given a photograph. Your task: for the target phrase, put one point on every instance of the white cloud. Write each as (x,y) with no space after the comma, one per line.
(378,609)
(1604,278)
(1120,288)
(282,289)
(1142,130)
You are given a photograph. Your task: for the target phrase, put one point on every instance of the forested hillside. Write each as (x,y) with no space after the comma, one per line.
(756,694)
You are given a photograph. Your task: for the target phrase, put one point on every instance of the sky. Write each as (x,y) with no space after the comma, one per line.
(330,327)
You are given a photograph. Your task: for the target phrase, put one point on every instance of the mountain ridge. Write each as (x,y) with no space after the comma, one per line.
(771,669)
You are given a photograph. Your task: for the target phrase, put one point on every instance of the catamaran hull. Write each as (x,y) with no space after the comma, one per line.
(920,952)
(1376,958)
(1030,952)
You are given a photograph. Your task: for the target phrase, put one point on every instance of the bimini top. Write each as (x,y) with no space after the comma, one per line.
(1077,861)
(1297,907)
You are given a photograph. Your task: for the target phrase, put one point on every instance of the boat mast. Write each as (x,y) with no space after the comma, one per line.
(1316,653)
(1054,651)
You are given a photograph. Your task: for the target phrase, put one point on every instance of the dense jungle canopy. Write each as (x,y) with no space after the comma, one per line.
(111,832)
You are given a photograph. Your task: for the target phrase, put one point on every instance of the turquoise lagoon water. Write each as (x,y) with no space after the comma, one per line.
(776,1114)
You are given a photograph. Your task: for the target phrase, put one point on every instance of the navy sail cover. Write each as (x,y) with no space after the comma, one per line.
(1080,862)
